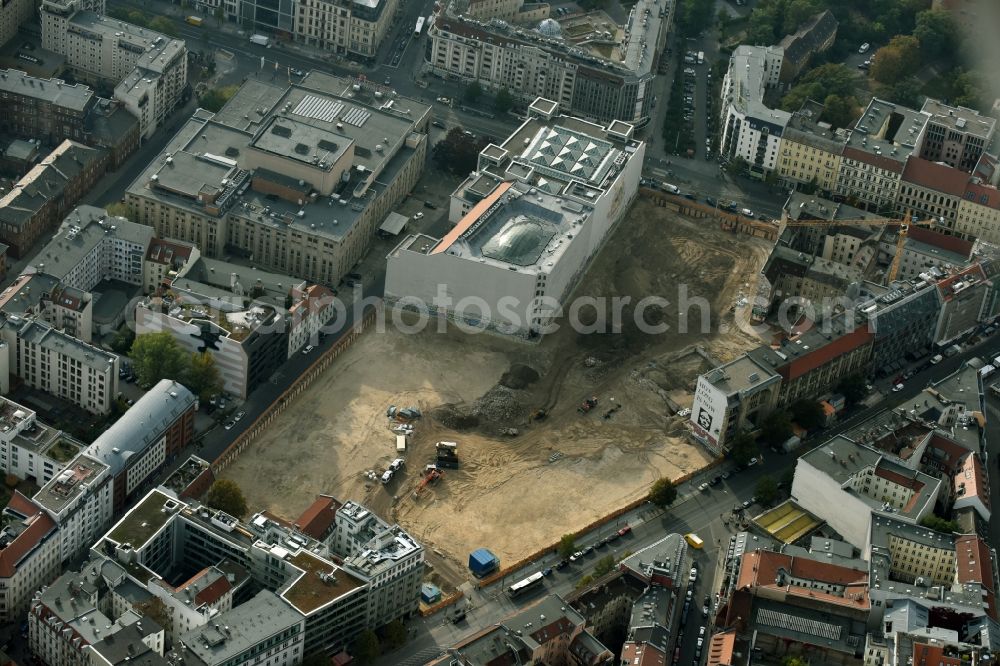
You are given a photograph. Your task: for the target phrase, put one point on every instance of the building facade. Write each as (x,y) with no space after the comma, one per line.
(810,150)
(752,131)
(29,555)
(354,28)
(955,136)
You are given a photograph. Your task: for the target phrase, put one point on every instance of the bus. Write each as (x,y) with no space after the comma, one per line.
(420,26)
(526,585)
(194,20)
(694,540)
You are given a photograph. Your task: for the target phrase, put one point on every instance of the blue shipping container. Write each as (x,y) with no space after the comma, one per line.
(482,562)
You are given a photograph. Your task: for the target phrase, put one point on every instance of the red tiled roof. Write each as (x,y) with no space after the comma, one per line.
(720,648)
(953,450)
(213,592)
(760,569)
(978,191)
(898,479)
(642,654)
(838,347)
(164,251)
(947,285)
(973,565)
(880,161)
(934,176)
(938,239)
(39,526)
(933,654)
(316,519)
(974,478)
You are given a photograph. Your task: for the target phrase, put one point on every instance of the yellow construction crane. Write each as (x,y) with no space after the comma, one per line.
(904,230)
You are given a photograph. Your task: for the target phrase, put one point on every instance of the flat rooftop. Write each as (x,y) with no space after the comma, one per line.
(888,131)
(232,633)
(144,520)
(960,118)
(747,75)
(196,303)
(320,583)
(157,50)
(739,375)
(67,486)
(54,91)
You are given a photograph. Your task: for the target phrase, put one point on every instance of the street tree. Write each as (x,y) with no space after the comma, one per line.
(896,60)
(473,92)
(743,448)
(853,388)
(663,492)
(457,152)
(157,356)
(164,25)
(395,634)
(604,565)
(366,647)
(937,33)
(567,545)
(202,376)
(227,496)
(766,491)
(504,101)
(776,427)
(807,413)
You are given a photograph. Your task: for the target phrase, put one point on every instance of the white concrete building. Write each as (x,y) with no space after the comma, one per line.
(355,28)
(846,483)
(591,66)
(57,363)
(311,310)
(80,499)
(752,131)
(91,246)
(29,555)
(148,69)
(30,449)
(532,218)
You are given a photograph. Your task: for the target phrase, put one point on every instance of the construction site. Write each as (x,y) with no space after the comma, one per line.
(508,445)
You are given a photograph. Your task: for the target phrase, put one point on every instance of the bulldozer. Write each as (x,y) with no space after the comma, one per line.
(588,404)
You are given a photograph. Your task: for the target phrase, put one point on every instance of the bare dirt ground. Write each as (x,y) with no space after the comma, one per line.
(517,494)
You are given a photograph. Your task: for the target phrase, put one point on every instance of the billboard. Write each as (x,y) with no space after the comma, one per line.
(708,411)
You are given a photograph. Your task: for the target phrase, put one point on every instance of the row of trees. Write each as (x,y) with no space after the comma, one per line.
(157,356)
(140,18)
(474,94)
(457,152)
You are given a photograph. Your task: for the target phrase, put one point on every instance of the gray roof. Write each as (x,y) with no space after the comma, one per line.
(802,206)
(158,50)
(126,643)
(960,118)
(81,232)
(62,490)
(740,374)
(747,76)
(142,425)
(250,623)
(668,555)
(54,91)
(889,131)
(218,273)
(42,334)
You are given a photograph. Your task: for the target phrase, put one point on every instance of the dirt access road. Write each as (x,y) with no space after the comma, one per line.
(509,494)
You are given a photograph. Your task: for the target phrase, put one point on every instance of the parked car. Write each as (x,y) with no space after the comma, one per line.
(575,556)
(240,414)
(625,530)
(308,349)
(230,424)
(562,564)
(864,48)
(897,388)
(693,575)
(753,461)
(438,123)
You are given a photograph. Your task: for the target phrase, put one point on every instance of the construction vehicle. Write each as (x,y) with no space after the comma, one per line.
(587,405)
(431,476)
(539,414)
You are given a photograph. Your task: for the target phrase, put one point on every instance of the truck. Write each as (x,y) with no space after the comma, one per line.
(482,562)
(701,57)
(401,443)
(694,540)
(194,20)
(260,40)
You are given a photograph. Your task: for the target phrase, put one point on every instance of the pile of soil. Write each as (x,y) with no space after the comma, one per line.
(453,418)
(519,377)
(500,405)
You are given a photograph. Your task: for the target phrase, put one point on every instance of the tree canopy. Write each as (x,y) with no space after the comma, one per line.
(937,34)
(896,60)
(853,388)
(766,491)
(567,545)
(604,565)
(504,101)
(819,83)
(202,376)
(457,152)
(157,356)
(227,496)
(776,427)
(366,647)
(743,448)
(213,99)
(663,493)
(807,413)
(395,634)
(940,524)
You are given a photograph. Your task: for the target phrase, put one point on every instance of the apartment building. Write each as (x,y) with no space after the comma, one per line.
(71,616)
(12,16)
(903,318)
(965,298)
(29,449)
(91,246)
(42,296)
(314,308)
(302,186)
(556,179)
(147,69)
(732,398)
(956,136)
(354,28)
(752,131)
(814,37)
(588,64)
(388,557)
(153,431)
(971,487)
(35,204)
(877,149)
(264,628)
(978,214)
(931,190)
(51,111)
(47,359)
(197,602)
(165,261)
(81,502)
(845,483)
(248,342)
(29,555)
(810,150)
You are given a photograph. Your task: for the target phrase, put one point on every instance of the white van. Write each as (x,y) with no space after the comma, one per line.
(447,445)
(673,189)
(387,476)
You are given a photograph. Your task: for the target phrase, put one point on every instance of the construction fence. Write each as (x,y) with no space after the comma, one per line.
(729,221)
(233,451)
